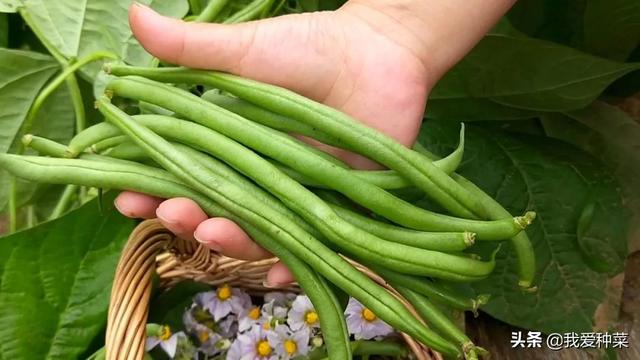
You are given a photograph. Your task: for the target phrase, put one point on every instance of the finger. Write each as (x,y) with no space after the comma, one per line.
(198,45)
(226,237)
(279,276)
(181,216)
(254,49)
(136,205)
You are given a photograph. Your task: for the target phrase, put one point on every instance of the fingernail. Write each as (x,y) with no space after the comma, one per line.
(213,245)
(165,218)
(125,213)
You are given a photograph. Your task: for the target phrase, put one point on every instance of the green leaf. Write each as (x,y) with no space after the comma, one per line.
(167,308)
(611,135)
(559,21)
(548,77)
(9,6)
(55,281)
(527,172)
(612,28)
(175,8)
(607,28)
(22,76)
(76,28)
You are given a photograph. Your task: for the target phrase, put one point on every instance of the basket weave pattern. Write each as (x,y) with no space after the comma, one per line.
(153,249)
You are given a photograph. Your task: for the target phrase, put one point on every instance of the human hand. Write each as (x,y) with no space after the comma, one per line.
(368,59)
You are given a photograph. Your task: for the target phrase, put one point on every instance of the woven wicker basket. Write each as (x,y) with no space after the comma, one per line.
(153,248)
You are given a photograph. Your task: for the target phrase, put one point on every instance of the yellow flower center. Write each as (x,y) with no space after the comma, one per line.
(224,293)
(203,336)
(290,346)
(311,317)
(254,313)
(263,348)
(165,333)
(267,326)
(368,315)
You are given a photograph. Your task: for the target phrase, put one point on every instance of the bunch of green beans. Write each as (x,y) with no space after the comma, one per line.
(239,159)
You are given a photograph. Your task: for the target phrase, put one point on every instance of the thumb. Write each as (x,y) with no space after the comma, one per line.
(196,45)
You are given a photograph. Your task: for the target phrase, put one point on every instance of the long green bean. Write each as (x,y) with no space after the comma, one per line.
(154,182)
(440,322)
(365,140)
(322,259)
(265,117)
(211,11)
(520,242)
(441,241)
(278,146)
(311,208)
(432,290)
(125,175)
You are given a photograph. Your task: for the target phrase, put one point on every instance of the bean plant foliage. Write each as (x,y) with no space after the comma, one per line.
(540,95)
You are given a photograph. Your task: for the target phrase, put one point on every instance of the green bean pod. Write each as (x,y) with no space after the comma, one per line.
(311,208)
(365,140)
(105,144)
(44,146)
(432,290)
(108,174)
(440,241)
(136,177)
(265,117)
(520,242)
(279,146)
(300,243)
(438,321)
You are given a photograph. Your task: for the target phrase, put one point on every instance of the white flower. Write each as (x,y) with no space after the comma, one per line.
(302,314)
(225,300)
(248,318)
(167,341)
(252,345)
(363,323)
(289,344)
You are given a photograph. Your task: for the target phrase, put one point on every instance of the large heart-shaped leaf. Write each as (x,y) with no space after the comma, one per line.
(562,184)
(612,28)
(611,135)
(76,28)
(607,28)
(55,281)
(548,77)
(22,76)
(9,6)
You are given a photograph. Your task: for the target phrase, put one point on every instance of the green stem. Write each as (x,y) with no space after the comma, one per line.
(65,201)
(31,216)
(57,81)
(78,103)
(211,11)
(13,206)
